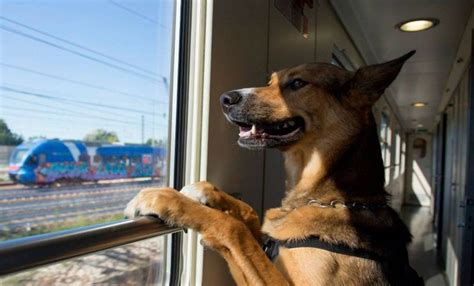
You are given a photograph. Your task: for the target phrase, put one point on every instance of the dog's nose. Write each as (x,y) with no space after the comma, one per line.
(230,98)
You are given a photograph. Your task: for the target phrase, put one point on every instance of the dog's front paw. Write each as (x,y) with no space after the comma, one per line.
(200,192)
(151,201)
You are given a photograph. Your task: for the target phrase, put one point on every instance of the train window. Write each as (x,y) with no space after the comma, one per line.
(139,263)
(18,156)
(398,153)
(32,160)
(385,144)
(87,84)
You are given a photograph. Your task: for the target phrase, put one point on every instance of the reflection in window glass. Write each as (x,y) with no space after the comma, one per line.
(84,109)
(139,263)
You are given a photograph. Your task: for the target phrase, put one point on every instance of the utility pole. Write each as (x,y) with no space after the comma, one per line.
(143,129)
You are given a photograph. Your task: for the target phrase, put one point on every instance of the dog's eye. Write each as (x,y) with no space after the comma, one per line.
(297,84)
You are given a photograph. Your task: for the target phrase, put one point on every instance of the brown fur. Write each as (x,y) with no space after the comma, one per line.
(337,158)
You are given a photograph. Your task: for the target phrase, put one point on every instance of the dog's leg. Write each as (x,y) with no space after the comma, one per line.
(222,232)
(207,194)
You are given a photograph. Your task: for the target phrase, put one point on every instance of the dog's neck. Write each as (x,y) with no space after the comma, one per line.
(342,166)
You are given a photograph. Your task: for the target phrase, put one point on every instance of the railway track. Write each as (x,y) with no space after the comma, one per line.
(65,206)
(24,210)
(16,191)
(24,225)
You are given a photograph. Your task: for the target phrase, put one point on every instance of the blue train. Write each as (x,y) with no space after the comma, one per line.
(50,161)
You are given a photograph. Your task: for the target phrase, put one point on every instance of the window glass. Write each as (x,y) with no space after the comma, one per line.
(139,263)
(385,145)
(398,149)
(18,155)
(84,110)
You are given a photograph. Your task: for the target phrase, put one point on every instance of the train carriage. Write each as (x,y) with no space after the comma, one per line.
(51,161)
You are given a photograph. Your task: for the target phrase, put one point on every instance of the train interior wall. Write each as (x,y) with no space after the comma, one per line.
(450,213)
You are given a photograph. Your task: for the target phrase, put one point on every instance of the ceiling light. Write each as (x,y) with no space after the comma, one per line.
(419,104)
(419,125)
(417,25)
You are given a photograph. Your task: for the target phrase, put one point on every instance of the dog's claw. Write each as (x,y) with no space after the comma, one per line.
(137,213)
(154,216)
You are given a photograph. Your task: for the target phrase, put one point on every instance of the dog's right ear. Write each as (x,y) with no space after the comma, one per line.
(370,82)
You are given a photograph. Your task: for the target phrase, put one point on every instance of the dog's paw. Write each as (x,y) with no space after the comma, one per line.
(151,201)
(200,192)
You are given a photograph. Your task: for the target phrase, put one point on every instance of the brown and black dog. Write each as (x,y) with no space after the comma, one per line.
(334,226)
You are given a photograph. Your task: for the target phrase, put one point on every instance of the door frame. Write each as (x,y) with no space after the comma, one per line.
(439,180)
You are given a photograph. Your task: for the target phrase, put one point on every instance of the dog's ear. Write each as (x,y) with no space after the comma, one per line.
(370,82)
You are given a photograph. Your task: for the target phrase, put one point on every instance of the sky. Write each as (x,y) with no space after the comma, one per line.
(68,67)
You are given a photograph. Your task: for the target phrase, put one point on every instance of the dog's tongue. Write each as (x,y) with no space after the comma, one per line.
(244,133)
(248,132)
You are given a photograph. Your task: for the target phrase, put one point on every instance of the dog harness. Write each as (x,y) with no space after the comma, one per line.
(397,269)
(272,246)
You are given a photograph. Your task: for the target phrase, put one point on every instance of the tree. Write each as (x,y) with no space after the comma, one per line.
(102,136)
(7,137)
(36,137)
(163,143)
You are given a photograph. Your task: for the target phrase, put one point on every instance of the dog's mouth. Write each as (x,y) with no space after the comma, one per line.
(268,135)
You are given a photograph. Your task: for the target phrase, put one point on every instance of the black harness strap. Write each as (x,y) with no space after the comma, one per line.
(398,269)
(271,248)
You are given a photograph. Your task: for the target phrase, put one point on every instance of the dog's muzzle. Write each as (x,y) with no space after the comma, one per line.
(257,128)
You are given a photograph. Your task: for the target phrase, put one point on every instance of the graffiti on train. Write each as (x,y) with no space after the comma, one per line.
(49,161)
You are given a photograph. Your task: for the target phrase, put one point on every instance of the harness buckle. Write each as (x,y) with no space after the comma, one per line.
(338,203)
(318,203)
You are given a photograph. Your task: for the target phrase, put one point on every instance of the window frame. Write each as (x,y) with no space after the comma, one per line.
(178,129)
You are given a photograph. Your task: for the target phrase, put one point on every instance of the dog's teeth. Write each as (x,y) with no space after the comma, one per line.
(291,123)
(285,125)
(254,130)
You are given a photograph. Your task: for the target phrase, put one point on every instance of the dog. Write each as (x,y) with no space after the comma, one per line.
(334,226)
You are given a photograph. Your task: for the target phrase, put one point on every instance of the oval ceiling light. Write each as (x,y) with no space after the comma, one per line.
(417,25)
(419,104)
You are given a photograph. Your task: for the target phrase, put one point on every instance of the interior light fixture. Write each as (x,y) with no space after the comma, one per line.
(419,104)
(417,25)
(420,126)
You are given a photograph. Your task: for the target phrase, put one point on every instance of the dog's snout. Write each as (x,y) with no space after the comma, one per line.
(230,98)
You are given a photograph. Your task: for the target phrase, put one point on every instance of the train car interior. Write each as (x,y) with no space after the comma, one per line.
(101,99)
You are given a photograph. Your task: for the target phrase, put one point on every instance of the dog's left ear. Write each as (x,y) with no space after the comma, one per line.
(370,82)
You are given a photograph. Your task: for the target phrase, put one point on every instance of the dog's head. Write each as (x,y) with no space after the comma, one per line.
(307,102)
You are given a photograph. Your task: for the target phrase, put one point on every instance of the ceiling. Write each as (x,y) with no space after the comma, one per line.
(371,25)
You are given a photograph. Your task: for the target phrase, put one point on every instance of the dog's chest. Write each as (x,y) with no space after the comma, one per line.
(306,266)
(311,266)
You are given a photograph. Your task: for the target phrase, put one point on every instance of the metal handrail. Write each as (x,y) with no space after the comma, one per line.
(38,250)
